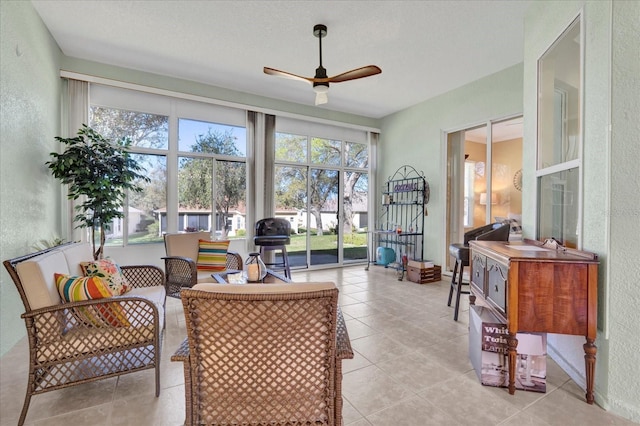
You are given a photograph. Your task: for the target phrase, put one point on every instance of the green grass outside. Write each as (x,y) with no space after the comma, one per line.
(326,242)
(298,242)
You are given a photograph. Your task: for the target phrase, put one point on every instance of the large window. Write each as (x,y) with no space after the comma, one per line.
(149,131)
(211,177)
(560,138)
(194,155)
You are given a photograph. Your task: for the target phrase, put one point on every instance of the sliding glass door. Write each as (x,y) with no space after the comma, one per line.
(484,177)
(321,186)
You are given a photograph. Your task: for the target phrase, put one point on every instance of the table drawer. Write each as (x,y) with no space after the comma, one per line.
(497,284)
(478,272)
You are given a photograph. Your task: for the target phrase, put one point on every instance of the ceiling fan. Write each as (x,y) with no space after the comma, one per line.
(320,81)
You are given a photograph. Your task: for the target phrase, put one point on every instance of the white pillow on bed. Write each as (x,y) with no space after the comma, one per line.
(515,226)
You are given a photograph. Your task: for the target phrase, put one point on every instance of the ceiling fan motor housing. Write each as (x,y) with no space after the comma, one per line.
(319,30)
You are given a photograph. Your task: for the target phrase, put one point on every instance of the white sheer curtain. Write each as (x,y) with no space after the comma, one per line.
(77,113)
(78,105)
(373,187)
(269,208)
(260,170)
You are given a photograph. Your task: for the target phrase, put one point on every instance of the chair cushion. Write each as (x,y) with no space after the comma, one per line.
(212,255)
(460,252)
(110,272)
(272,240)
(185,244)
(75,254)
(38,281)
(156,294)
(75,289)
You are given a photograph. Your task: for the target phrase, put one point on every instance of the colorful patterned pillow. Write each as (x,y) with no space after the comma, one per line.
(515,227)
(514,224)
(76,289)
(110,272)
(212,255)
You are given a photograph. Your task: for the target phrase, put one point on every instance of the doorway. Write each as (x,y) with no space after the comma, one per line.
(484,177)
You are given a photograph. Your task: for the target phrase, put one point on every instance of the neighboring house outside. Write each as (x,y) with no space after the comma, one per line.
(328,214)
(136,217)
(193,219)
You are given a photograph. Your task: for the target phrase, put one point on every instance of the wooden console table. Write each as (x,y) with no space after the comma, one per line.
(536,288)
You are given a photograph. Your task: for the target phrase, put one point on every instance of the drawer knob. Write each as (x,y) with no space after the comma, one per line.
(496,288)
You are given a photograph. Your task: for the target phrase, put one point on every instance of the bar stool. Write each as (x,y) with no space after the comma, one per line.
(272,234)
(492,232)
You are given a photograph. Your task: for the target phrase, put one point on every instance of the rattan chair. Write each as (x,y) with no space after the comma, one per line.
(180,262)
(261,354)
(65,349)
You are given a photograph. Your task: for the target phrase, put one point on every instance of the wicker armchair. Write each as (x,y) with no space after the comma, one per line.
(263,354)
(65,347)
(180,262)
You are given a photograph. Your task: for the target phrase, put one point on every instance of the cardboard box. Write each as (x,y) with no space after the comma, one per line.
(424,275)
(420,264)
(488,353)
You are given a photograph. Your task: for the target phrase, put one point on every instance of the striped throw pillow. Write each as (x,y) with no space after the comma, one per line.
(76,289)
(212,255)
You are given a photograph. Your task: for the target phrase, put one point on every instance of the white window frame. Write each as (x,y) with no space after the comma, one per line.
(175,109)
(571,164)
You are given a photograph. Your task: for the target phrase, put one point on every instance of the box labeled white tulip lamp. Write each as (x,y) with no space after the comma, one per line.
(488,353)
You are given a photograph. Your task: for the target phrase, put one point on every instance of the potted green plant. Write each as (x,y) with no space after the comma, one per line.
(101,171)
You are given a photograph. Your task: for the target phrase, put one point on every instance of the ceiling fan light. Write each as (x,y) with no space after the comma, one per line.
(321,87)
(321,98)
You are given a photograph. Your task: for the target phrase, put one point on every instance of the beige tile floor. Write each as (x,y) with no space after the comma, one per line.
(410,368)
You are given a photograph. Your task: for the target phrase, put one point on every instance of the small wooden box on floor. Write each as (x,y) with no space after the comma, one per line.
(422,272)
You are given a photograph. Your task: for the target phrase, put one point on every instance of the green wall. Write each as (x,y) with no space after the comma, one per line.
(624,213)
(29,119)
(610,194)
(415,137)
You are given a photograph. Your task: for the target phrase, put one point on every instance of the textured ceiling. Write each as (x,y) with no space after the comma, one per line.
(425,48)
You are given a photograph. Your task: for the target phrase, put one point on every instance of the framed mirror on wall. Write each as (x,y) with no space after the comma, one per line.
(559,138)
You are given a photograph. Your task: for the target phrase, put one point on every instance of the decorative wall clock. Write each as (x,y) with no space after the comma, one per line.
(517,180)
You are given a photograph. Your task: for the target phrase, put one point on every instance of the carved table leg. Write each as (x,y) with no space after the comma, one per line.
(590,367)
(512,342)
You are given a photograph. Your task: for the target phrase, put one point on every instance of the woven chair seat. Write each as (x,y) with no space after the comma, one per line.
(78,339)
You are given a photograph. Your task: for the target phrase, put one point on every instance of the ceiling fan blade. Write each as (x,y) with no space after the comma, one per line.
(320,80)
(321,98)
(278,73)
(367,71)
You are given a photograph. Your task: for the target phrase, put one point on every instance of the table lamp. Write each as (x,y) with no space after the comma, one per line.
(529,345)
